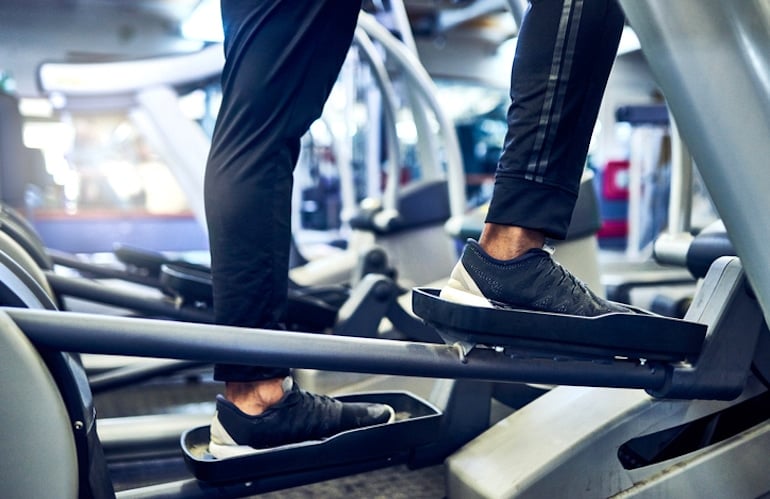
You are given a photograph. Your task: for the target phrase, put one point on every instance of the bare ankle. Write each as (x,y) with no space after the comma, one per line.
(506,242)
(254,397)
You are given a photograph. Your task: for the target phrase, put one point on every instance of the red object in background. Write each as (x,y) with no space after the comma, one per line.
(613,229)
(615,180)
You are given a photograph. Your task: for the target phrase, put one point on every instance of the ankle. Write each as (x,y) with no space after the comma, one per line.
(254,397)
(505,242)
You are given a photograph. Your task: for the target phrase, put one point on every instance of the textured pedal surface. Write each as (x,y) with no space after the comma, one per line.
(612,335)
(417,423)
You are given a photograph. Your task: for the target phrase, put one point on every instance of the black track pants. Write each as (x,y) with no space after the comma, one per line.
(282,59)
(563,59)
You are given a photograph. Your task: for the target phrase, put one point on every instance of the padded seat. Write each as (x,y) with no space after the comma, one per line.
(711,243)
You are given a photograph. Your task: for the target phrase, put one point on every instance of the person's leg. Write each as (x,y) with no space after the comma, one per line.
(282,59)
(564,55)
(563,59)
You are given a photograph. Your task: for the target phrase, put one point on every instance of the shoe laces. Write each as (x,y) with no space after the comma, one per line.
(564,275)
(297,395)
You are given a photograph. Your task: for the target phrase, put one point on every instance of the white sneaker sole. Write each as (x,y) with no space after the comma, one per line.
(463,290)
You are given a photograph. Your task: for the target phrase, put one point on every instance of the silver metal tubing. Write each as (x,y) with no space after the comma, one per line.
(423,83)
(680,206)
(91,333)
(672,245)
(518,9)
(427,147)
(380,74)
(75,287)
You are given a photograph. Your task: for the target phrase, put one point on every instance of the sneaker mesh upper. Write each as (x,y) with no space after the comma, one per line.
(533,281)
(299,416)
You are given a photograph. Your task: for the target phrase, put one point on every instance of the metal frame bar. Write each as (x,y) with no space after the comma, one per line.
(711,61)
(90,333)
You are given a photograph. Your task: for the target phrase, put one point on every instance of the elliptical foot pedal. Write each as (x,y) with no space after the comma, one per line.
(417,424)
(190,282)
(638,336)
(146,261)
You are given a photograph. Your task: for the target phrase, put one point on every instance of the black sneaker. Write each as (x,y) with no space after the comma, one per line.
(533,281)
(298,417)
